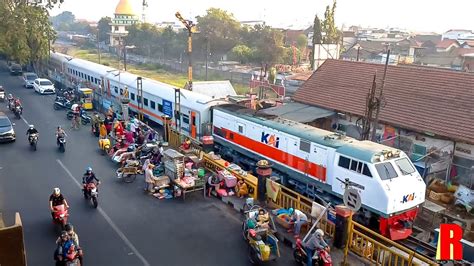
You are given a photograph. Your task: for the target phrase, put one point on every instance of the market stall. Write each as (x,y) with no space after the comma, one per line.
(185,172)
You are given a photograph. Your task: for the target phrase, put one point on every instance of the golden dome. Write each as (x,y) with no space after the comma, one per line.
(124,8)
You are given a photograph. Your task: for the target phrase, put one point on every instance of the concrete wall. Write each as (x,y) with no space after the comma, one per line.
(12,247)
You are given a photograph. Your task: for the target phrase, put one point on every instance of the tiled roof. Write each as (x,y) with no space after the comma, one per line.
(421,99)
(446,43)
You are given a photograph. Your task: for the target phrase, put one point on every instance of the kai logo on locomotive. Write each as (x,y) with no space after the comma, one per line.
(270,139)
(408,197)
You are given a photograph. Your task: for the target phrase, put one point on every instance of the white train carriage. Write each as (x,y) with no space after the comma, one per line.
(393,189)
(158,97)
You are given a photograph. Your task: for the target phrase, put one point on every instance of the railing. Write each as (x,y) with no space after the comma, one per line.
(379,250)
(288,198)
(217,165)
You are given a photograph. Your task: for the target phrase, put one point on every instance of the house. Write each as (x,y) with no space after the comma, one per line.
(349,38)
(446,45)
(427,112)
(455,34)
(468,62)
(467,44)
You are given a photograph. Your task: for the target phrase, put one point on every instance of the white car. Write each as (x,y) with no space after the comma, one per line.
(29,79)
(43,86)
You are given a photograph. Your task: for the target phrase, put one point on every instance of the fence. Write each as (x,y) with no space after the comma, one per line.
(287,198)
(217,165)
(379,250)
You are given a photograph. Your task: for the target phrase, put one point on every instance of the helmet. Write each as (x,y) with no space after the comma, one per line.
(68,227)
(290,211)
(59,127)
(89,169)
(32,126)
(320,232)
(56,191)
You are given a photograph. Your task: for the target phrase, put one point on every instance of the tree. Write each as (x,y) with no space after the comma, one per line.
(63,20)
(266,44)
(317,38)
(301,42)
(104,29)
(242,53)
(26,31)
(332,34)
(220,28)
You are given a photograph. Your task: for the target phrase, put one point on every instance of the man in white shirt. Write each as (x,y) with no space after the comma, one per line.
(299,219)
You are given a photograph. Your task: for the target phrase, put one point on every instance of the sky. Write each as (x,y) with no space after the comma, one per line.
(414,15)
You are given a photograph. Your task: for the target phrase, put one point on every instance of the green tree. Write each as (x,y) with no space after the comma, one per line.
(26,30)
(301,42)
(104,29)
(332,34)
(317,38)
(220,28)
(242,53)
(63,21)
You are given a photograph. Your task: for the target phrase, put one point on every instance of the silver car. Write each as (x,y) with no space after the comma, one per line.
(29,79)
(7,133)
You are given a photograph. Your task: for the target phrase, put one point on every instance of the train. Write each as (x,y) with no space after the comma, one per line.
(309,160)
(158,97)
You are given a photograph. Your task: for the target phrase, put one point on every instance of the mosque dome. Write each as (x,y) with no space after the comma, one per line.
(124,8)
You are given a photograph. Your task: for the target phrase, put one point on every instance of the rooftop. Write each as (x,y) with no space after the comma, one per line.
(124,7)
(421,99)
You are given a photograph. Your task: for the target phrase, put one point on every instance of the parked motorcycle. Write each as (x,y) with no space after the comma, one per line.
(2,94)
(62,144)
(18,111)
(62,103)
(90,192)
(33,138)
(320,257)
(61,215)
(85,119)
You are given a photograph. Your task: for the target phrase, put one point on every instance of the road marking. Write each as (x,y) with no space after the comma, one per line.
(24,120)
(109,220)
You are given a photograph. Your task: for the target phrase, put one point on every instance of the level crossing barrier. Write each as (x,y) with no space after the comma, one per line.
(379,250)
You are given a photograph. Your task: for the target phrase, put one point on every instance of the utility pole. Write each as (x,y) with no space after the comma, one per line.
(371,104)
(191,27)
(380,98)
(207,56)
(125,58)
(98,42)
(358,52)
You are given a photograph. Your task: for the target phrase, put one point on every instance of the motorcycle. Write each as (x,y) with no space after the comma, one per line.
(62,103)
(320,258)
(85,119)
(11,105)
(18,111)
(2,94)
(90,192)
(72,257)
(60,215)
(33,138)
(62,144)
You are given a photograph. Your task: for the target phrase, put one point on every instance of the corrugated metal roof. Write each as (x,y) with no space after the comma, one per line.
(214,89)
(298,112)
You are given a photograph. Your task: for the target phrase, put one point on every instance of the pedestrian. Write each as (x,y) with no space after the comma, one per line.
(299,219)
(150,178)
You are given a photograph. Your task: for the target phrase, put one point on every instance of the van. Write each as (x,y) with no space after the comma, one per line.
(15,69)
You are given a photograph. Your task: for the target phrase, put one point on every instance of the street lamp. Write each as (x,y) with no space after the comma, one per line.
(125,55)
(191,27)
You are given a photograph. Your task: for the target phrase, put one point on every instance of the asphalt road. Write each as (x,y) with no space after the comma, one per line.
(129,227)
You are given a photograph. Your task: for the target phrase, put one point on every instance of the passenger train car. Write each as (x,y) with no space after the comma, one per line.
(313,159)
(308,159)
(158,97)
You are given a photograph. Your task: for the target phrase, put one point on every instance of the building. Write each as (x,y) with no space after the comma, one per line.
(427,112)
(251,23)
(456,34)
(173,25)
(124,17)
(446,45)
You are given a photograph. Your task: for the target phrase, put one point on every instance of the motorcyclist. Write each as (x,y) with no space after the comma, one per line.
(95,122)
(18,103)
(31,130)
(60,134)
(10,101)
(69,228)
(56,199)
(313,244)
(64,244)
(88,178)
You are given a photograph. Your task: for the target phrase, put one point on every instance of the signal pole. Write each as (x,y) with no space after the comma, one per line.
(191,27)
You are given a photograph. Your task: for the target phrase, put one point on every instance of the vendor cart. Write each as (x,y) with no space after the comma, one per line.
(199,184)
(174,164)
(129,172)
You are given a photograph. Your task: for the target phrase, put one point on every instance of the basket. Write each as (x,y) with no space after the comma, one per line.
(435,196)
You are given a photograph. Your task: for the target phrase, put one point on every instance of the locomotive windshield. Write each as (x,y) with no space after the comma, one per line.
(386,171)
(405,166)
